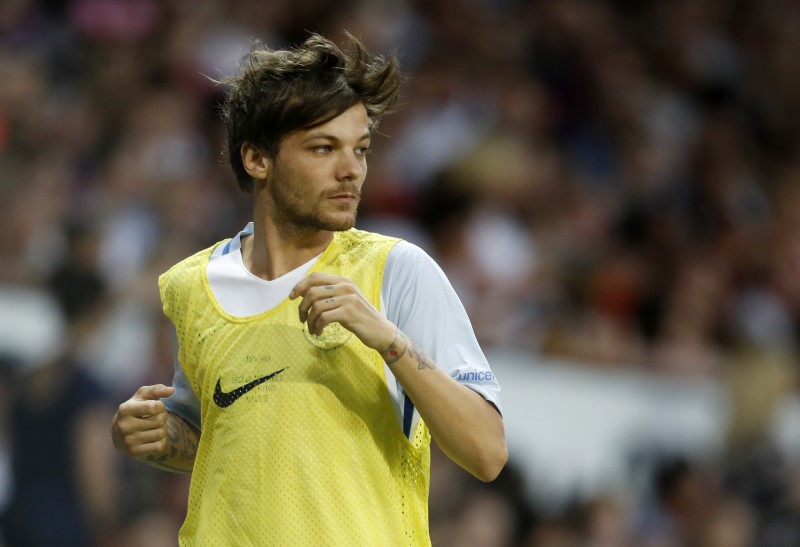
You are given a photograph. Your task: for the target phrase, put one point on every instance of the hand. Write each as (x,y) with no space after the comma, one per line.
(329,298)
(140,424)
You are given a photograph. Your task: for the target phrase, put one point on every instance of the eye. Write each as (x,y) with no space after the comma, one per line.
(363,150)
(323,149)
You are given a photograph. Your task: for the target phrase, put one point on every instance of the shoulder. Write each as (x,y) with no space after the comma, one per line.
(415,288)
(406,255)
(408,264)
(178,279)
(189,264)
(358,249)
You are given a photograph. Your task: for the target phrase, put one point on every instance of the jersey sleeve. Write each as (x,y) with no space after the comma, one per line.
(420,300)
(183,402)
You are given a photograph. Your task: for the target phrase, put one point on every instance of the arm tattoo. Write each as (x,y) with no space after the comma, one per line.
(181,447)
(402,345)
(423,360)
(183,439)
(160,462)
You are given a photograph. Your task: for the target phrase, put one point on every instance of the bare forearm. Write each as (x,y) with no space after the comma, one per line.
(467,427)
(180,449)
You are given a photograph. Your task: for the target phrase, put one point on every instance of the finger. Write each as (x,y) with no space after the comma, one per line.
(130,424)
(129,432)
(323,313)
(144,437)
(314,295)
(313,280)
(142,409)
(153,393)
(147,449)
(146,421)
(149,436)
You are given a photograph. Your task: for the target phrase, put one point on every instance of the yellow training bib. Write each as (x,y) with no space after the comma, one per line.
(300,443)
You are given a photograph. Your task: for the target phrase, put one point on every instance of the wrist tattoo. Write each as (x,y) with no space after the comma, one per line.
(396,349)
(402,345)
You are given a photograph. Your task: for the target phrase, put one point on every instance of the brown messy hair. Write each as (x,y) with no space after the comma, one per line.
(277,92)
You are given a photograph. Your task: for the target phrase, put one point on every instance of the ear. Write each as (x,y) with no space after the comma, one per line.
(255,162)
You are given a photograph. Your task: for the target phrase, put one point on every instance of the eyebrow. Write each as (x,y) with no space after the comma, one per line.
(333,138)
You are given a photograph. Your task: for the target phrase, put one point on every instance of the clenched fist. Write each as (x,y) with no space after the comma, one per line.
(140,424)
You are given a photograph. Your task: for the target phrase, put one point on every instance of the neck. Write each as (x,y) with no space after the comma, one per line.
(272,252)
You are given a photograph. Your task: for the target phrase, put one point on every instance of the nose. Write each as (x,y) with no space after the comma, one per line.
(351,166)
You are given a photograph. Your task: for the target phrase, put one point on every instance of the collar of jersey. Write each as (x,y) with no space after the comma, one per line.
(233,244)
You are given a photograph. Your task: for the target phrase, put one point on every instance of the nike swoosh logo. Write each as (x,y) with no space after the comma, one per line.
(225,400)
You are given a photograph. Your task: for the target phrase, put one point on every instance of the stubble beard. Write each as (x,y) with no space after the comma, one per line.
(331,223)
(295,215)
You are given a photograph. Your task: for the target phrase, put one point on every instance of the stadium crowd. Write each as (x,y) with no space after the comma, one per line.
(612,182)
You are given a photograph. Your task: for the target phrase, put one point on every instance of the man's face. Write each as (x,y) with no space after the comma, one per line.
(315,180)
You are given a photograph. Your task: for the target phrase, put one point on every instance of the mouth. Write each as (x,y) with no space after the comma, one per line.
(345,197)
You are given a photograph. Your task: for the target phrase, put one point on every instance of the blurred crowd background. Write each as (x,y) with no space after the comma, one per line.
(612,184)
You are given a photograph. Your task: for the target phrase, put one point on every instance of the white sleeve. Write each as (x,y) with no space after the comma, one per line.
(419,299)
(183,402)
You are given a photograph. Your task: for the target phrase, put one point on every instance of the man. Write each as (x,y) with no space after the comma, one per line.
(315,361)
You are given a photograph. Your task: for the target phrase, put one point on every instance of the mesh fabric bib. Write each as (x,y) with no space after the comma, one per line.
(300,444)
